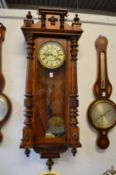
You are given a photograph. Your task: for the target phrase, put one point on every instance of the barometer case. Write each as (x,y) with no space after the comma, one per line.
(102,111)
(5,104)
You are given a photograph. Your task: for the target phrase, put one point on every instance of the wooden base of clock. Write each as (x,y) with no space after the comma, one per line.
(51,98)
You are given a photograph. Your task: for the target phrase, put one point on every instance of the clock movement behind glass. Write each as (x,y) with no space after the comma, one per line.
(51,98)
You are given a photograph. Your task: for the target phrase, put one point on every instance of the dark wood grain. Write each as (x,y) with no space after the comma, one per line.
(40,103)
(99,91)
(2,37)
(2,83)
(102,91)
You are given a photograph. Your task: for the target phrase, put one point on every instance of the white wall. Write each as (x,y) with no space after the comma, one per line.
(89,159)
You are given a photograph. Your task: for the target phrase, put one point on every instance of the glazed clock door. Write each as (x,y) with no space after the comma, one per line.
(50,89)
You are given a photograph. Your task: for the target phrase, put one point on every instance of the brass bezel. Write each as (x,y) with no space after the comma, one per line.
(53,43)
(91,108)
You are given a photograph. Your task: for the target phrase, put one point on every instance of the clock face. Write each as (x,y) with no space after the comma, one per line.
(102,114)
(51,55)
(3,107)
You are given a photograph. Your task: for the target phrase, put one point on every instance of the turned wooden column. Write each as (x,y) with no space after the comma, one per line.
(74,97)
(27,140)
(28,102)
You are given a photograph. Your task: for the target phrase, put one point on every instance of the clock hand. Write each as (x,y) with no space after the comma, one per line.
(103,115)
(49,54)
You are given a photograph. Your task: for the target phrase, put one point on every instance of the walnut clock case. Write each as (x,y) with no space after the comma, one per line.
(102,112)
(51,98)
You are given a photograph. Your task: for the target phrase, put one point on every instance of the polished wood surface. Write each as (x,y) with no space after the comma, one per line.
(102,91)
(4,100)
(2,37)
(42,103)
(102,87)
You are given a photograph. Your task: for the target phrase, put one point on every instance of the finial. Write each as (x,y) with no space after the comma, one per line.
(27,152)
(76,18)
(29,16)
(74,151)
(49,163)
(76,23)
(29,19)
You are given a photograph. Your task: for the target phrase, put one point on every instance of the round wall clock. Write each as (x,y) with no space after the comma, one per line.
(51,55)
(102,112)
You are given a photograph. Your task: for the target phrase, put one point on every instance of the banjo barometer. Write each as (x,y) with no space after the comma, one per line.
(5,105)
(102,112)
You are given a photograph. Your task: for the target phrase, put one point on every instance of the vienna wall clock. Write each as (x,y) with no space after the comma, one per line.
(5,105)
(51,98)
(102,112)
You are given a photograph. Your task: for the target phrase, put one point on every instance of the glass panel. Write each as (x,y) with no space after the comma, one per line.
(102,61)
(51,101)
